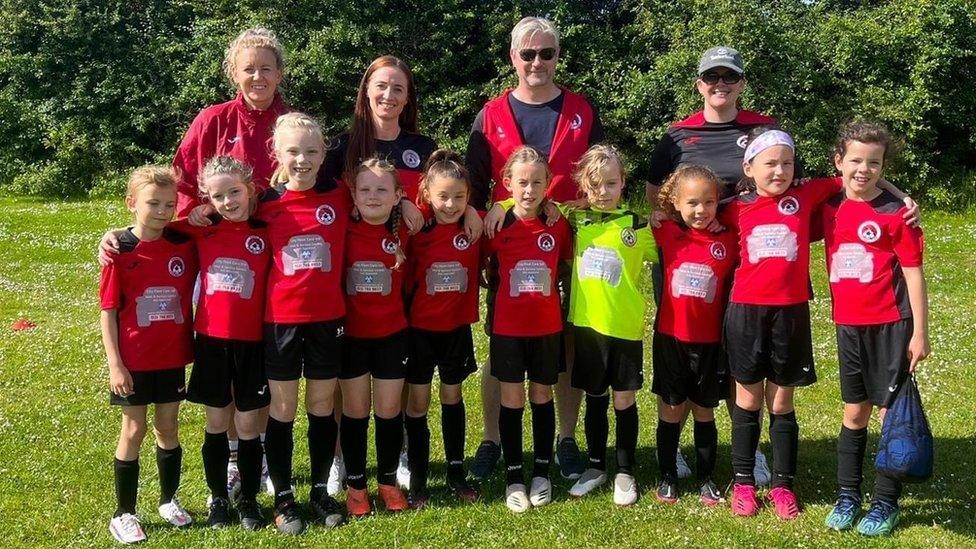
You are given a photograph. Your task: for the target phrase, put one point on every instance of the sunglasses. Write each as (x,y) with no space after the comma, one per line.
(529,55)
(712,78)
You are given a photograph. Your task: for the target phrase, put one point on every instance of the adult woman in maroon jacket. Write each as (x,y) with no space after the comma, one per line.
(241,127)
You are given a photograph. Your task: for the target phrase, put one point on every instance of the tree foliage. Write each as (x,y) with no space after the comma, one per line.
(89,89)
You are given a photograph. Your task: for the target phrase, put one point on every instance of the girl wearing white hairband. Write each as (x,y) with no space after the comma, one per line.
(767,323)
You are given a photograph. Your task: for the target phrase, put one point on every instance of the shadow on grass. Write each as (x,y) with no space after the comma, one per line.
(946,500)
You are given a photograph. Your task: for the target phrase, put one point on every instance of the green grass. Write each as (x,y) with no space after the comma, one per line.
(57,431)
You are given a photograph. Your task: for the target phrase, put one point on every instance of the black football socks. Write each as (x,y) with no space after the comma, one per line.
(597,429)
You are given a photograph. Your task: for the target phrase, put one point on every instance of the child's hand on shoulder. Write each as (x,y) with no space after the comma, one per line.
(412,218)
(551,210)
(494,219)
(657,216)
(473,224)
(918,350)
(108,246)
(119,379)
(198,215)
(912,217)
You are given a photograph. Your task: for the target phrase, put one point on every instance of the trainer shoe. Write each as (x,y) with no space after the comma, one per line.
(287,518)
(174,513)
(327,509)
(250,513)
(463,490)
(710,496)
(233,481)
(784,501)
(357,502)
(392,498)
(403,472)
(590,480)
(417,500)
(218,512)
(569,459)
(682,465)
(541,491)
(881,519)
(846,509)
(125,528)
(744,500)
(624,490)
(337,477)
(760,471)
(667,490)
(516,499)
(485,460)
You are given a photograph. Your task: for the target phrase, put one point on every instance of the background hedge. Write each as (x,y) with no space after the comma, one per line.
(91,88)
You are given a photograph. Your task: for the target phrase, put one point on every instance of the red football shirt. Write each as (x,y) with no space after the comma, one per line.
(307,233)
(443,277)
(234,259)
(150,284)
(374,290)
(698,267)
(867,243)
(774,242)
(528,254)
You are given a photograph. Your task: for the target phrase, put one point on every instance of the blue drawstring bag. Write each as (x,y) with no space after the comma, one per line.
(905,451)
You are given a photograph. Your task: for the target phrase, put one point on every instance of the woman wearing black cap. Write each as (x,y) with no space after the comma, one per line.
(714,137)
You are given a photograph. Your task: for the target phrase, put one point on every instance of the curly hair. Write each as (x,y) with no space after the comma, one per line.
(668,194)
(228,165)
(864,131)
(594,161)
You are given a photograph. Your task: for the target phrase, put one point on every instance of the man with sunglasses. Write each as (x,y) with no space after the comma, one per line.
(714,137)
(562,125)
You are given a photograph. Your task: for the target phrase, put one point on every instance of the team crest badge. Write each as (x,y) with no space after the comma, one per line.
(254,244)
(718,251)
(389,246)
(576,123)
(869,232)
(741,142)
(176,266)
(628,237)
(461,242)
(546,242)
(411,158)
(325,215)
(788,205)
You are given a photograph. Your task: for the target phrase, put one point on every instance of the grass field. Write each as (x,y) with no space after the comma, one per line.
(57,431)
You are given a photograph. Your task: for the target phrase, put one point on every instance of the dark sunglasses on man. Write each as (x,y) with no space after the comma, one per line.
(528,55)
(711,77)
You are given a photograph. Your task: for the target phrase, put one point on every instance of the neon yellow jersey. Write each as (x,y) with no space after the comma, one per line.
(610,251)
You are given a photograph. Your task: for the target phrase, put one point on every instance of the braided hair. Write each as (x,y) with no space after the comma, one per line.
(393,223)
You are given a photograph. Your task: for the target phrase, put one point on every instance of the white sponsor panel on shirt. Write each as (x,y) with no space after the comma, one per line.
(602,264)
(852,261)
(158,304)
(694,280)
(233,275)
(368,277)
(447,276)
(530,276)
(773,240)
(306,251)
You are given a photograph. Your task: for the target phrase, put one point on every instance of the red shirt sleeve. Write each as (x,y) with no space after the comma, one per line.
(909,243)
(822,188)
(109,288)
(190,156)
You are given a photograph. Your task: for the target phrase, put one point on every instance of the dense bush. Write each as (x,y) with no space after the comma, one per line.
(89,89)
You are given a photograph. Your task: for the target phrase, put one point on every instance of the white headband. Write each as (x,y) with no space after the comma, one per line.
(766,140)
